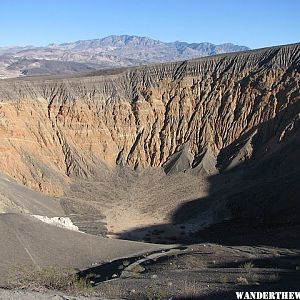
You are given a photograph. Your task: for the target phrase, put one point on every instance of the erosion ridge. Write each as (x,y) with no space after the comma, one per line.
(171,148)
(141,116)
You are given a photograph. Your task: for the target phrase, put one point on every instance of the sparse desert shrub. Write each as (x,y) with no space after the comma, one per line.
(156,294)
(248,266)
(137,269)
(255,279)
(125,263)
(189,288)
(223,278)
(53,278)
(242,281)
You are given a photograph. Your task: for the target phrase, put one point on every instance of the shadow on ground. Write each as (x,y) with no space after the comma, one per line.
(245,235)
(252,201)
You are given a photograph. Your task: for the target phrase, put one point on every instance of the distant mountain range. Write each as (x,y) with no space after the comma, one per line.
(109,52)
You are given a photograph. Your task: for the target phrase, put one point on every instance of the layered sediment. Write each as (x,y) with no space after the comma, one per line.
(54,128)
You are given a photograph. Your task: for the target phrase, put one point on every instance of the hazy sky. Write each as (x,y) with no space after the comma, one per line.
(255,23)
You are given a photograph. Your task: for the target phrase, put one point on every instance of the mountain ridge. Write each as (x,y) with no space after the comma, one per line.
(108,52)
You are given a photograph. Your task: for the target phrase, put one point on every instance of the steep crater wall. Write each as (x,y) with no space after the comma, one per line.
(177,115)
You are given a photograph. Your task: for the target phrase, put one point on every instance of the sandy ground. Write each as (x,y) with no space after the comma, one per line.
(127,218)
(18,198)
(25,240)
(131,200)
(40,295)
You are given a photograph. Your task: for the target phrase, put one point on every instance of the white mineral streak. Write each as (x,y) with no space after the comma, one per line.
(63,222)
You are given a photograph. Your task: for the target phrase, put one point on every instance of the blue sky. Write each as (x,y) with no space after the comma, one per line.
(254,23)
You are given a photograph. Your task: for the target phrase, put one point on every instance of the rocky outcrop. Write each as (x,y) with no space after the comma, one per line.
(52,129)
